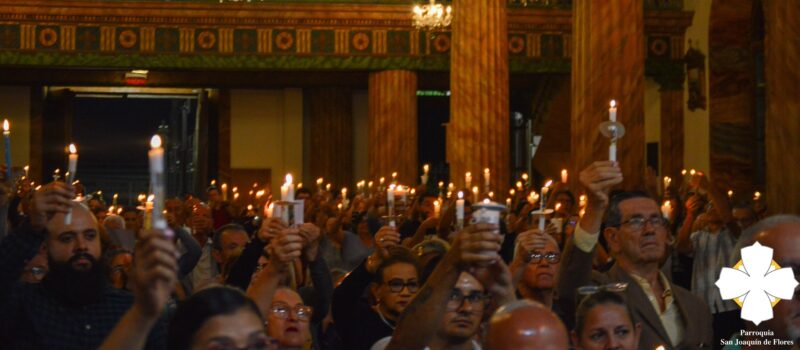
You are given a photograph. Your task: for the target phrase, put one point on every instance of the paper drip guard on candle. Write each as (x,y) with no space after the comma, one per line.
(290,212)
(541,214)
(487,212)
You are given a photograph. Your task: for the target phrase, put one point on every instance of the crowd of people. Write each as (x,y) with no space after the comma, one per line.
(613,270)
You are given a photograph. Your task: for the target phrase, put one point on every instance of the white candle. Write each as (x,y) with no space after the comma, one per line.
(436,208)
(344,197)
(319,184)
(468,179)
(71,168)
(390,205)
(156,157)
(224,189)
(424,177)
(270,207)
(612,111)
(519,185)
(7,140)
(394,177)
(564,176)
(486,176)
(451,187)
(666,210)
(287,190)
(475,193)
(460,208)
(730,194)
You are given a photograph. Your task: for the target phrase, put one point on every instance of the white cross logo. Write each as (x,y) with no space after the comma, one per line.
(756,283)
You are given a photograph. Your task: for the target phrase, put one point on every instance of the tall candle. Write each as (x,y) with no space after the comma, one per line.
(345,202)
(424,177)
(394,177)
(114,199)
(612,116)
(7,140)
(224,189)
(486,176)
(269,210)
(436,208)
(287,190)
(666,209)
(319,184)
(460,210)
(475,193)
(730,194)
(468,179)
(390,205)
(156,156)
(542,202)
(70,175)
(564,176)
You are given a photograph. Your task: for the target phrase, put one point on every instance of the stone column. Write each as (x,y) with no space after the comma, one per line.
(782,20)
(672,138)
(331,138)
(393,125)
(478,133)
(608,63)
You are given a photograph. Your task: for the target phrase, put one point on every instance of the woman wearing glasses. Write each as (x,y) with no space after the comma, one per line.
(604,321)
(288,320)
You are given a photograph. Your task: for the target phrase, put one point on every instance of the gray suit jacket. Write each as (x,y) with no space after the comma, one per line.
(576,271)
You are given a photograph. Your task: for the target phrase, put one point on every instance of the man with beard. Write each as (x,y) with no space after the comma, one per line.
(74,307)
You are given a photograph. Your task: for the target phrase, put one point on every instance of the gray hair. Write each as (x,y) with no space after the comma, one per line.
(748,236)
(114,218)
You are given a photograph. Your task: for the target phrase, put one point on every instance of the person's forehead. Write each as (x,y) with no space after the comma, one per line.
(289,297)
(401,269)
(234,235)
(82,221)
(784,239)
(606,313)
(638,206)
(467,283)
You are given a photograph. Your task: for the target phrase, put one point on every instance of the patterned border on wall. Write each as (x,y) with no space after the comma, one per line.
(277,36)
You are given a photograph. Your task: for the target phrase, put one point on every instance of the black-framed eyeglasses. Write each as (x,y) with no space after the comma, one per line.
(396,285)
(301,312)
(611,287)
(551,257)
(637,223)
(457,299)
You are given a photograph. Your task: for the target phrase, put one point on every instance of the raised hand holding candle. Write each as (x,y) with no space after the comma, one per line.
(612,116)
(7,141)
(156,157)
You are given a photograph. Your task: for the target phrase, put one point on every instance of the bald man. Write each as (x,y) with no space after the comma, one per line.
(74,307)
(782,234)
(526,325)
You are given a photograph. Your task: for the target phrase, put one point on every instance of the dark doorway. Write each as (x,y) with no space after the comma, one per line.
(434,114)
(113,134)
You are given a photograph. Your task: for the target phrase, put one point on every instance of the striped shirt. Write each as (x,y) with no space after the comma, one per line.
(712,252)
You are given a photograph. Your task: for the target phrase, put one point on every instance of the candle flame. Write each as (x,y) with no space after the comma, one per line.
(369,184)
(692,172)
(613,103)
(548,183)
(289,179)
(382,180)
(683,172)
(757,195)
(155,142)
(490,194)
(319,181)
(425,168)
(72,148)
(486,171)
(394,175)
(460,195)
(525,176)
(300,185)
(558,206)
(116,195)
(344,191)
(413,191)
(235,189)
(441,184)
(486,201)
(475,189)
(150,198)
(512,191)
(730,193)
(468,174)
(6,125)
(249,207)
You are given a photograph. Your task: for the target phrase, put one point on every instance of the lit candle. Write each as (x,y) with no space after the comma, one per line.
(249,207)
(213,182)
(667,182)
(142,198)
(236,196)
(451,187)
(328,187)
(512,192)
(390,205)
(72,166)
(756,196)
(369,185)
(612,116)
(460,210)
(542,200)
(394,177)
(287,190)
(299,185)
(468,179)
(114,199)
(157,183)
(270,207)
(486,176)
(475,192)
(235,189)
(490,194)
(533,197)
(319,184)
(436,208)
(224,189)
(683,172)
(564,176)
(148,212)
(558,206)
(508,202)
(424,177)
(666,209)
(26,168)
(339,206)
(7,140)
(381,181)
(344,197)
(730,194)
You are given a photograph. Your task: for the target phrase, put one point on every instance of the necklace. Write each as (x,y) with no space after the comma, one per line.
(378,308)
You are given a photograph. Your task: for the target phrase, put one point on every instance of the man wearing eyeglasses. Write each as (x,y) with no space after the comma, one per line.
(637,236)
(536,262)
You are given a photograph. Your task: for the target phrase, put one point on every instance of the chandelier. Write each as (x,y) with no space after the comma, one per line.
(432,16)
